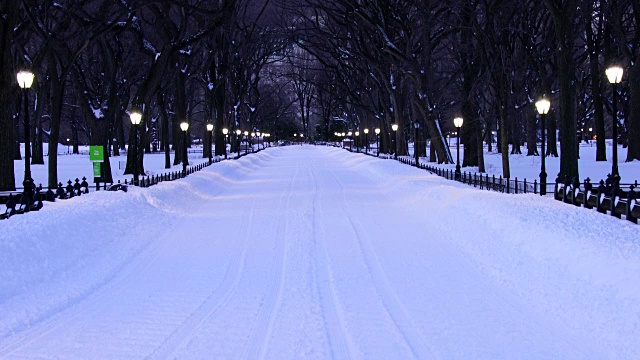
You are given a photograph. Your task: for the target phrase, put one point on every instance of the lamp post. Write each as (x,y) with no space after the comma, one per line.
(301,139)
(458,124)
(136,119)
(543,106)
(377,131)
(259,139)
(225,132)
(590,136)
(184,126)
(416,126)
(350,135)
(238,137)
(25,80)
(366,138)
(246,136)
(357,141)
(614,74)
(68,144)
(210,131)
(394,127)
(493,134)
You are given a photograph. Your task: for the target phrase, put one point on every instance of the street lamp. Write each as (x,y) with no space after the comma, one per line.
(136,119)
(614,74)
(25,80)
(377,131)
(238,137)
(394,127)
(225,132)
(184,126)
(543,106)
(246,135)
(590,136)
(258,134)
(349,134)
(366,138)
(210,131)
(457,122)
(357,141)
(68,144)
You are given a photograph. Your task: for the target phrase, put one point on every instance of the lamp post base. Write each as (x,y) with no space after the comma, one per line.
(543,183)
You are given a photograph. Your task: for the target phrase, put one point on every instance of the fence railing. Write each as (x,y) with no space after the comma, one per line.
(485,181)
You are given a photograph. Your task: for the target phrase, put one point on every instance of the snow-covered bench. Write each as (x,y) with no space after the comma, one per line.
(606,199)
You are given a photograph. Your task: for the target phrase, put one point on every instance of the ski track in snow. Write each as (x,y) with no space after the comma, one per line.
(342,346)
(218,298)
(85,305)
(257,346)
(391,304)
(313,253)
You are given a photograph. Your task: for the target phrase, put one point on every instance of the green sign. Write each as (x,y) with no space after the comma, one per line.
(97,169)
(96,153)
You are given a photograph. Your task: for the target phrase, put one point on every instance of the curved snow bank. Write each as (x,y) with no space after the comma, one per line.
(54,258)
(571,266)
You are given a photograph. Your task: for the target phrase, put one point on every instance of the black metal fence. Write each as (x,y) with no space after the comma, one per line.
(484,181)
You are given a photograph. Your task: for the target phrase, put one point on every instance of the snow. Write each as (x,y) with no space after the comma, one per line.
(315,252)
(72,166)
(528,167)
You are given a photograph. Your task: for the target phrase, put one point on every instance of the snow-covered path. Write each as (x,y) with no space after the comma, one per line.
(309,253)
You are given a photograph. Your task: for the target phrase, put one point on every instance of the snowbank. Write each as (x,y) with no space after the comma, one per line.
(53,258)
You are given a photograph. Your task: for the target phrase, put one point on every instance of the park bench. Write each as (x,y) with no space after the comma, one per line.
(10,208)
(608,198)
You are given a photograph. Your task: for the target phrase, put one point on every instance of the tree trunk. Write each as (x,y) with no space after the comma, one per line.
(564,18)
(532,135)
(100,137)
(504,132)
(633,120)
(480,143)
(593,48)
(37,156)
(7,90)
(433,127)
(552,138)
(180,115)
(57,97)
(164,119)
(432,152)
(516,134)
(17,155)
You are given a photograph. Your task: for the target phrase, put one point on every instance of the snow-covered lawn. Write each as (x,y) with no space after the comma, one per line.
(312,252)
(528,167)
(72,166)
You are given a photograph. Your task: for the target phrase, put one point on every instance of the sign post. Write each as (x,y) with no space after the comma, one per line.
(96,156)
